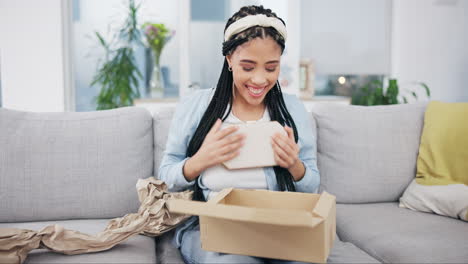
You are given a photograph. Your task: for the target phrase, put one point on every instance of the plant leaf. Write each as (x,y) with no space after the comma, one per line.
(428,91)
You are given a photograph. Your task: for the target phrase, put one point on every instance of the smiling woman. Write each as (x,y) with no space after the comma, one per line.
(255,69)
(247,91)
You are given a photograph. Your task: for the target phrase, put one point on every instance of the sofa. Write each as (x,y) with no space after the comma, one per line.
(80,169)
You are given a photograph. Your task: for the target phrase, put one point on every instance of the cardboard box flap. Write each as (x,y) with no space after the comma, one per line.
(246,214)
(220,196)
(324,204)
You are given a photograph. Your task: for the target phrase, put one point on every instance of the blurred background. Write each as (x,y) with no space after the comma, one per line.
(51,51)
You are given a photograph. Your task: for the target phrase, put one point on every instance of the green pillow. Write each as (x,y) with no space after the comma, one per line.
(441,183)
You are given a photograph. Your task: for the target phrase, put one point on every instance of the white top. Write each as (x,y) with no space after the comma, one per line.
(218,177)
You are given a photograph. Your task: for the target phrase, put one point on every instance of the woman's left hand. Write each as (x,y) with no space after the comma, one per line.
(285,148)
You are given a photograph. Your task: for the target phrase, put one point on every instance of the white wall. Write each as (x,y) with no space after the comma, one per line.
(31,54)
(430,44)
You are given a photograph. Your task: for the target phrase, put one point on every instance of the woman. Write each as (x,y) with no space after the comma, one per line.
(247,91)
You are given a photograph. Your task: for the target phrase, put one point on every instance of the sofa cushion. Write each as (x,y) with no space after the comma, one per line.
(73,165)
(367,153)
(397,235)
(443,152)
(162,119)
(137,249)
(441,184)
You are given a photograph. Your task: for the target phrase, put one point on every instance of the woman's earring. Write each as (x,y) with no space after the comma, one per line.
(230,69)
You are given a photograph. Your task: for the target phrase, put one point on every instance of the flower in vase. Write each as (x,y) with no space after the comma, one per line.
(157,35)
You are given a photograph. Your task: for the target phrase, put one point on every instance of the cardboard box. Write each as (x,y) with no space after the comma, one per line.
(278,225)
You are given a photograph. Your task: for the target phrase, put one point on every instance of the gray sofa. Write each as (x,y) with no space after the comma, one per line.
(80,170)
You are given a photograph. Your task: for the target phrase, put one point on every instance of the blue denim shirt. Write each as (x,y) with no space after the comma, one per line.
(184,123)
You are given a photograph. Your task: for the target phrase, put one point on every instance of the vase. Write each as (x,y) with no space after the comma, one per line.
(156,82)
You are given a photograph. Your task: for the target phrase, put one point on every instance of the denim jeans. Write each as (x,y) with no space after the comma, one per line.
(192,252)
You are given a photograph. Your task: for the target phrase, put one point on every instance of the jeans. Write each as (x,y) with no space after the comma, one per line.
(192,252)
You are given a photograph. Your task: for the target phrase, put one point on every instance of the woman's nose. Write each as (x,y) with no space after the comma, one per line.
(259,79)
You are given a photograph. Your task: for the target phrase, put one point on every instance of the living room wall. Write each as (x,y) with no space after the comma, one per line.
(31,55)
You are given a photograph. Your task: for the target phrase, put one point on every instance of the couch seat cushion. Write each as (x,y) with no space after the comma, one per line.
(398,235)
(137,249)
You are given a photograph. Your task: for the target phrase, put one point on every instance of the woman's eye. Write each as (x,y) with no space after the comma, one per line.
(248,69)
(271,70)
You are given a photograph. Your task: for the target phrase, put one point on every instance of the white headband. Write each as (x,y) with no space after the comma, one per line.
(252,21)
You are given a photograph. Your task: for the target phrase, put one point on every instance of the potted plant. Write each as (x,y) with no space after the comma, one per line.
(119,75)
(373,93)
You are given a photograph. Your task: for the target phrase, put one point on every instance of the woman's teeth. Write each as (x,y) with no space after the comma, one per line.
(255,91)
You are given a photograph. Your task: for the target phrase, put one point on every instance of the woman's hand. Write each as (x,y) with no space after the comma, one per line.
(217,148)
(287,153)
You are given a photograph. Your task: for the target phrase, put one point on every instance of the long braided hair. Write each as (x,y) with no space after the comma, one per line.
(223,96)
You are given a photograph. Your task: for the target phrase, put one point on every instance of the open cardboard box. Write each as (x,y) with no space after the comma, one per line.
(261,223)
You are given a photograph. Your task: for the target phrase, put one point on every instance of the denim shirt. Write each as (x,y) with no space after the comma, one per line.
(184,123)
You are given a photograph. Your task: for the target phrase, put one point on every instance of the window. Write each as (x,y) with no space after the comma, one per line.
(348,43)
(105,17)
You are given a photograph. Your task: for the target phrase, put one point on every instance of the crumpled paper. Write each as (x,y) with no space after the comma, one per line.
(153,219)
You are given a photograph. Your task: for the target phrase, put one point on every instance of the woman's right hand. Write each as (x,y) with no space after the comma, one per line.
(217,148)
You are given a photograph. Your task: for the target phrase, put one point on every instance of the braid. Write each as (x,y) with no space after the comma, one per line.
(222,97)
(215,110)
(281,114)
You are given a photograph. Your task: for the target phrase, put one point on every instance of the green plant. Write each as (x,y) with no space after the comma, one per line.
(119,75)
(373,93)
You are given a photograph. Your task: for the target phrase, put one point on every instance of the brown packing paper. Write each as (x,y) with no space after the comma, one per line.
(152,219)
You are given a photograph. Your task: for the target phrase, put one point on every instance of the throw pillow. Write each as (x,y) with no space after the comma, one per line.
(441,183)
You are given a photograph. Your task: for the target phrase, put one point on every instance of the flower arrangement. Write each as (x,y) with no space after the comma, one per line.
(157,35)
